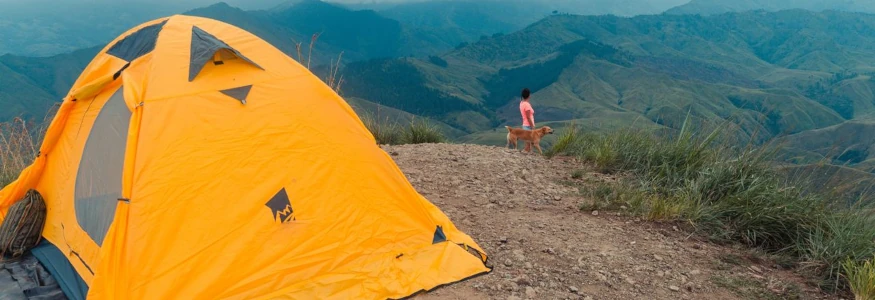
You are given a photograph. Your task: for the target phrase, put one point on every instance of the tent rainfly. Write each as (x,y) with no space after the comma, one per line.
(193,160)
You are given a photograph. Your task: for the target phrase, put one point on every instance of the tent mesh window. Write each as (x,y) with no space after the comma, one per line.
(23,226)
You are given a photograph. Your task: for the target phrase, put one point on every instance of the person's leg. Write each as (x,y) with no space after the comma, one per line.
(528,146)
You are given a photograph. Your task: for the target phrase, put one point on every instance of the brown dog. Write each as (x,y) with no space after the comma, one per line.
(529,136)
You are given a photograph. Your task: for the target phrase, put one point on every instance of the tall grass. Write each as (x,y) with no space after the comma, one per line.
(384,131)
(861,276)
(732,194)
(421,131)
(20,140)
(19,144)
(417,131)
(565,140)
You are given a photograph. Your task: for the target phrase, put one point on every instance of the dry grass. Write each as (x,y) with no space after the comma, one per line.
(18,147)
(334,79)
(20,141)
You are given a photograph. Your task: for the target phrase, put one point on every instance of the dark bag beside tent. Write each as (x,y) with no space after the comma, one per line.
(22,228)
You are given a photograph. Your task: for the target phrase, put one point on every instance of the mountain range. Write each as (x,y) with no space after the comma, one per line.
(752,69)
(801,77)
(50,27)
(712,7)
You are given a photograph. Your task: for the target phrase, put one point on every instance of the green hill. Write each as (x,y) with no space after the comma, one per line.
(30,85)
(712,7)
(388,115)
(752,69)
(287,25)
(54,74)
(362,32)
(446,24)
(45,28)
(365,34)
(522,12)
(21,96)
(843,182)
(851,143)
(50,27)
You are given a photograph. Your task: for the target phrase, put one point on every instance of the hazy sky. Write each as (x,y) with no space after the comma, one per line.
(18,10)
(259,2)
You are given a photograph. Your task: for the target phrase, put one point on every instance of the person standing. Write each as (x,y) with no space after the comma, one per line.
(528,114)
(527,111)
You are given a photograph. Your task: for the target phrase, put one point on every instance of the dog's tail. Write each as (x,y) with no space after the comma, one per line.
(508,136)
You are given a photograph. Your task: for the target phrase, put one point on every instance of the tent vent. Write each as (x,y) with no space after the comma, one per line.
(138,43)
(439,236)
(205,48)
(238,93)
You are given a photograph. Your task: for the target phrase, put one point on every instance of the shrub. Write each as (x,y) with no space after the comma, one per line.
(563,142)
(420,131)
(385,132)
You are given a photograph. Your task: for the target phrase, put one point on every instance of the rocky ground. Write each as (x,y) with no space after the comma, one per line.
(524,210)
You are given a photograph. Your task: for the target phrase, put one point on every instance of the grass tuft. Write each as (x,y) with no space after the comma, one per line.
(385,132)
(563,142)
(861,278)
(418,131)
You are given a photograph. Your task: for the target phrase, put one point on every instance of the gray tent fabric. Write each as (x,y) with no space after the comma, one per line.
(238,93)
(203,47)
(99,177)
(138,43)
(27,279)
(53,260)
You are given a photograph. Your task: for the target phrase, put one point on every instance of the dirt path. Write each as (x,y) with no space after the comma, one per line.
(524,210)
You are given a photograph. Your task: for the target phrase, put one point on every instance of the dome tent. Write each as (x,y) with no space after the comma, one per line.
(194,160)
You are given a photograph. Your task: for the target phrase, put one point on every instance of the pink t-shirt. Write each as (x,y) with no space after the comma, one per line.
(526,110)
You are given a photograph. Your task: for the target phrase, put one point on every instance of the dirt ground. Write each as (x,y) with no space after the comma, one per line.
(523,209)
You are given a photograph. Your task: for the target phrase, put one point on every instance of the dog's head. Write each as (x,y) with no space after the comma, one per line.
(546,130)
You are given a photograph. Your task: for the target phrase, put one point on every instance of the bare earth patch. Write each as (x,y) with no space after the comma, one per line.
(523,209)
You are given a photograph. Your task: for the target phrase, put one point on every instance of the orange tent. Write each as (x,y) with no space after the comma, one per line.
(193,160)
